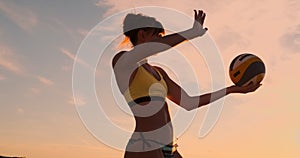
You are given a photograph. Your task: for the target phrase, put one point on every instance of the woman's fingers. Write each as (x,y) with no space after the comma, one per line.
(199,16)
(200,12)
(202,18)
(198,23)
(253,87)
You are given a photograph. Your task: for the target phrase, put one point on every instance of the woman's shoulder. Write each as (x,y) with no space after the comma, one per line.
(161,71)
(117,57)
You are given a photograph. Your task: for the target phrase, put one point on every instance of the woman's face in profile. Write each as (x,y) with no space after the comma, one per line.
(150,36)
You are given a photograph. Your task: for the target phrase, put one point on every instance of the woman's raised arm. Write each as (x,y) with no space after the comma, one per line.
(144,50)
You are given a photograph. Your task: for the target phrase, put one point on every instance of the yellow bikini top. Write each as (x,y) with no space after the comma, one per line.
(145,84)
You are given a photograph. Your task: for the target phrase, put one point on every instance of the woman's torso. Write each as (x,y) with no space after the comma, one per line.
(149,115)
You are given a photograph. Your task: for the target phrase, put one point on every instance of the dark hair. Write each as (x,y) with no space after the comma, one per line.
(135,22)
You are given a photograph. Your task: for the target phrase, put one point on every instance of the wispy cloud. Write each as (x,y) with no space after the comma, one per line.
(78,101)
(293,9)
(23,17)
(45,81)
(229,38)
(67,53)
(116,5)
(8,60)
(291,40)
(73,57)
(20,110)
(67,67)
(82,32)
(112,5)
(184,6)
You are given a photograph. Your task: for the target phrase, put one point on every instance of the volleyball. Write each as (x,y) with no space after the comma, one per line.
(246,69)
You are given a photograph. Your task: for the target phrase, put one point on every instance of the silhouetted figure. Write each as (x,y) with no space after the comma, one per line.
(145,87)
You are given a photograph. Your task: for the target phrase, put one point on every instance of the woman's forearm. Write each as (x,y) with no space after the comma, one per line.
(144,50)
(211,97)
(176,38)
(193,102)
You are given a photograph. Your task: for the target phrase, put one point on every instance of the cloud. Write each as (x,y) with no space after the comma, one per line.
(20,110)
(73,57)
(185,6)
(82,32)
(293,9)
(291,40)
(23,17)
(230,38)
(67,53)
(33,92)
(67,68)
(116,5)
(8,60)
(45,81)
(78,101)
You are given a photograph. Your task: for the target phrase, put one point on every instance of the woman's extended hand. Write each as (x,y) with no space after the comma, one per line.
(198,23)
(244,89)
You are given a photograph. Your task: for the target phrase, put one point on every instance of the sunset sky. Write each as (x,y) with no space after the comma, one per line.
(38,45)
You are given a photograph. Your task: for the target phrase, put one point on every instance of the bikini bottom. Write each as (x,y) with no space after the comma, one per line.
(140,143)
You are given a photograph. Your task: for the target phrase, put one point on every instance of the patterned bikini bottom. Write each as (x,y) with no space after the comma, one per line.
(140,143)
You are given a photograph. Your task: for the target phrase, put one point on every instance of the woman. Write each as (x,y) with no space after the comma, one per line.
(145,87)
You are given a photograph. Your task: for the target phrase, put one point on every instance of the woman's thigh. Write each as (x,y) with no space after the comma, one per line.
(177,155)
(147,154)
